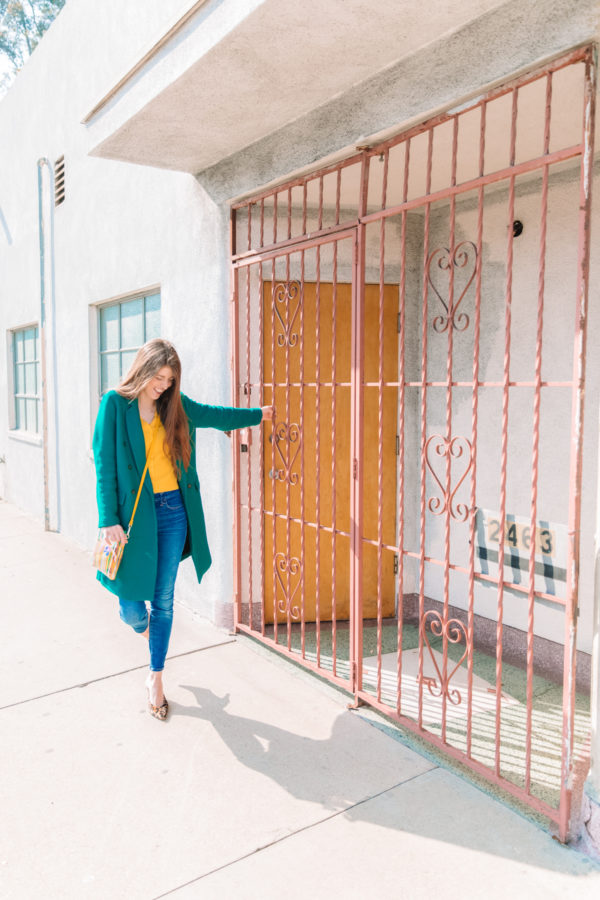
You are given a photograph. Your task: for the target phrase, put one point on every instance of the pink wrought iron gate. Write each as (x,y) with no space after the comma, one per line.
(409,526)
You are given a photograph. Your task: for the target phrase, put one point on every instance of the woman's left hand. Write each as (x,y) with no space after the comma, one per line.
(268,412)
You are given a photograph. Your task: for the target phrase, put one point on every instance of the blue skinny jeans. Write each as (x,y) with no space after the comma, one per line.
(171,523)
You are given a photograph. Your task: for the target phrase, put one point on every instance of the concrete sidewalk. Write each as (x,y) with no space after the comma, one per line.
(261,784)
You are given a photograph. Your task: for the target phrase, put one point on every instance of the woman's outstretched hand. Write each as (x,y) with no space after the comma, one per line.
(268,412)
(115,534)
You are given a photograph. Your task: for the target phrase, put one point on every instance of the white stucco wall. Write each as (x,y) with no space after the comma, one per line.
(122,228)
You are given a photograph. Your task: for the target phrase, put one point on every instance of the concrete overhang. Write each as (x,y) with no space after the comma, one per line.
(230,72)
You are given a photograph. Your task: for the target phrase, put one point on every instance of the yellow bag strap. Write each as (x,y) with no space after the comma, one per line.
(137,499)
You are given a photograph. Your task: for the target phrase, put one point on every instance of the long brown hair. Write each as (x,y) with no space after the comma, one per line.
(149,360)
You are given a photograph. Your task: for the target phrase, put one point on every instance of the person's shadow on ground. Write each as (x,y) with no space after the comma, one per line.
(292,760)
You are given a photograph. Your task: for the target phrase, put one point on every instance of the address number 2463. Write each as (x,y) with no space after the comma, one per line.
(519,536)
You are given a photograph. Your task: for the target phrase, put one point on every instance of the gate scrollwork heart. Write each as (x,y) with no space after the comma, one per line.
(292,568)
(284,295)
(290,435)
(453,631)
(456,448)
(464,253)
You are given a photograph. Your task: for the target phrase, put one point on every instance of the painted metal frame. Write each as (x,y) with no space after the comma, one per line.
(259,256)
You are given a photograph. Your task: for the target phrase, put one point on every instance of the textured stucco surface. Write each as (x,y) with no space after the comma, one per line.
(197,95)
(435,76)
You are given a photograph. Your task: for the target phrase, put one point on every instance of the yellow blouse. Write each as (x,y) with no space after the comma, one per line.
(160,466)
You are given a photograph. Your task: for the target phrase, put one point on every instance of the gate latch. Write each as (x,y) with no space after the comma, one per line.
(245,439)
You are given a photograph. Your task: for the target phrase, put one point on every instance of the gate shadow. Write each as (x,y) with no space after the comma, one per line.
(429,801)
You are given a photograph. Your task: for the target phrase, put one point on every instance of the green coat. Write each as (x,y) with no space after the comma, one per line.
(120,457)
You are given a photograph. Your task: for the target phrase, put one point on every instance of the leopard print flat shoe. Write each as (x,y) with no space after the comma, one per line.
(159,712)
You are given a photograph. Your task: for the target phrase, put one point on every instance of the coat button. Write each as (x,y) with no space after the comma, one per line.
(133,491)
(130,466)
(189,485)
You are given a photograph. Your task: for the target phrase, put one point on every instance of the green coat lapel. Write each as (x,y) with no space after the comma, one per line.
(136,440)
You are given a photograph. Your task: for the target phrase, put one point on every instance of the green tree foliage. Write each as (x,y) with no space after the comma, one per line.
(22,26)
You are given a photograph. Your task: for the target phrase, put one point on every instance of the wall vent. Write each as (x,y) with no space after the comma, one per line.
(59,181)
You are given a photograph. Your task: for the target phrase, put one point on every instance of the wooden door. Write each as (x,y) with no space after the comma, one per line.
(307,460)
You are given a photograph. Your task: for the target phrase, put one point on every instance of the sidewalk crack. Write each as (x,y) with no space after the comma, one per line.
(286,837)
(85,684)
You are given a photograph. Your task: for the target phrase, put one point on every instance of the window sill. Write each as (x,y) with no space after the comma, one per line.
(25,437)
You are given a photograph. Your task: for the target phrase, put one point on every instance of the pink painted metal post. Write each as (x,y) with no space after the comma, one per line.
(423,385)
(261,448)
(536,432)
(356,488)
(445,624)
(474,434)
(273,440)
(334,443)
(583,276)
(302,429)
(504,442)
(380,428)
(318,435)
(248,390)
(288,553)
(401,433)
(237,547)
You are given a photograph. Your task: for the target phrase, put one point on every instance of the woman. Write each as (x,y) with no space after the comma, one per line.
(147,416)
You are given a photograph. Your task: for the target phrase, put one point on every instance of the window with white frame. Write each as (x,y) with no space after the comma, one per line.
(123,327)
(26,382)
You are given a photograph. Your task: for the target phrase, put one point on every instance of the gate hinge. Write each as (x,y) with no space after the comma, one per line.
(395,563)
(355,468)
(247,389)
(397,445)
(399,323)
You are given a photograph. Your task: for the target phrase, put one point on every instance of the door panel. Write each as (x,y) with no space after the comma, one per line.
(306,458)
